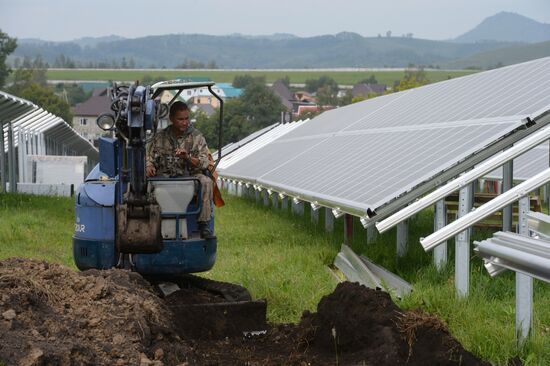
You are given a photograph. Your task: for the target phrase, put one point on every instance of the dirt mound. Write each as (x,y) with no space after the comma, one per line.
(52,315)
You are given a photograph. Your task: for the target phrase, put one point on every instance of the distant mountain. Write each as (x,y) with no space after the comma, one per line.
(502,57)
(82,42)
(507,27)
(278,51)
(94,41)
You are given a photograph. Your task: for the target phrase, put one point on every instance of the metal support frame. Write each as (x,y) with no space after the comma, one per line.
(372,234)
(526,143)
(298,208)
(284,203)
(265,194)
(11,159)
(402,238)
(507,184)
(524,283)
(462,245)
(275,201)
(2,160)
(440,220)
(487,209)
(348,229)
(314,215)
(329,220)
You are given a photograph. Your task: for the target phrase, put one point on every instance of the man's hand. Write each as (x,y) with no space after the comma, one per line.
(182,153)
(150,170)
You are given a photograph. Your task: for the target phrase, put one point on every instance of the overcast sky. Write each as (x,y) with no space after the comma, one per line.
(61,20)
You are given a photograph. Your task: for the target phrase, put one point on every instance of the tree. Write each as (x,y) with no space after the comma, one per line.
(46,98)
(370,80)
(256,108)
(7,46)
(412,79)
(313,85)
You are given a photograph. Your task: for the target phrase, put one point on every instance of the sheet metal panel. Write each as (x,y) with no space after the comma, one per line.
(369,153)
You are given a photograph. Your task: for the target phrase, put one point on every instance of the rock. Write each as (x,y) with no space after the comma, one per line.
(159,354)
(118,339)
(121,362)
(9,314)
(35,333)
(94,322)
(145,361)
(34,358)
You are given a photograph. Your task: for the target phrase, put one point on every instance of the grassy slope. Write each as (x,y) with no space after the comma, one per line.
(221,76)
(283,259)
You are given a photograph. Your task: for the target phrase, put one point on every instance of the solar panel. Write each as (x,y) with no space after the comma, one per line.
(368,154)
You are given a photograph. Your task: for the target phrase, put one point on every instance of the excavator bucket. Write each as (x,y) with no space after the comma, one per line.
(207,309)
(138,229)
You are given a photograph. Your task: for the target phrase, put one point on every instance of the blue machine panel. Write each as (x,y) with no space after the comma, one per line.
(107,156)
(178,258)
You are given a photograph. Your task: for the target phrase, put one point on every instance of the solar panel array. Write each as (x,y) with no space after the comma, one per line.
(249,145)
(364,155)
(57,137)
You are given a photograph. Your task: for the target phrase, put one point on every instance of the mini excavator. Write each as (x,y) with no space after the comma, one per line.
(149,225)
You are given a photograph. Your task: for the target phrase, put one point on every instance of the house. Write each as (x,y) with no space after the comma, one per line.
(295,103)
(366,90)
(85,115)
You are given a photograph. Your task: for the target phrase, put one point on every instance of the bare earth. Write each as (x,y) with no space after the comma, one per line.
(51,315)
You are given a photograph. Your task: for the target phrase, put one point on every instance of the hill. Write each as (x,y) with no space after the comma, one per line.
(507,27)
(502,57)
(238,51)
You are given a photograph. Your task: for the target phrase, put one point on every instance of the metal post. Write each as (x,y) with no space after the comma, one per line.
(2,160)
(348,229)
(298,208)
(21,149)
(524,283)
(314,216)
(284,204)
(275,201)
(329,220)
(257,196)
(266,198)
(402,237)
(507,183)
(11,160)
(372,234)
(462,245)
(440,252)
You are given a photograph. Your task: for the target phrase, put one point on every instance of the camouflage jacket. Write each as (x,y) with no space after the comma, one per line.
(161,152)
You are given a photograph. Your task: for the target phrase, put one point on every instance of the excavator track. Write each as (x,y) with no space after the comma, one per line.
(208,309)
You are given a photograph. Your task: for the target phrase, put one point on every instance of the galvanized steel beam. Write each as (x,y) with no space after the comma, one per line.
(440,220)
(487,209)
(507,184)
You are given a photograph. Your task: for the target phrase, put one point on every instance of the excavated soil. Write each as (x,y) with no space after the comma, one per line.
(51,315)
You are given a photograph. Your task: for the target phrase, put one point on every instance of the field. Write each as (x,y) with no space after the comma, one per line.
(223,76)
(285,260)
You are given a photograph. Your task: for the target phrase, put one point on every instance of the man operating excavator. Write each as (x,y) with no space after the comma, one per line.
(181,150)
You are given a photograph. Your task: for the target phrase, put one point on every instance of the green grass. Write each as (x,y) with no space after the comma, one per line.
(223,76)
(36,227)
(283,258)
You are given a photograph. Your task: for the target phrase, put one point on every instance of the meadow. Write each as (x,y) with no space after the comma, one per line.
(285,259)
(227,76)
